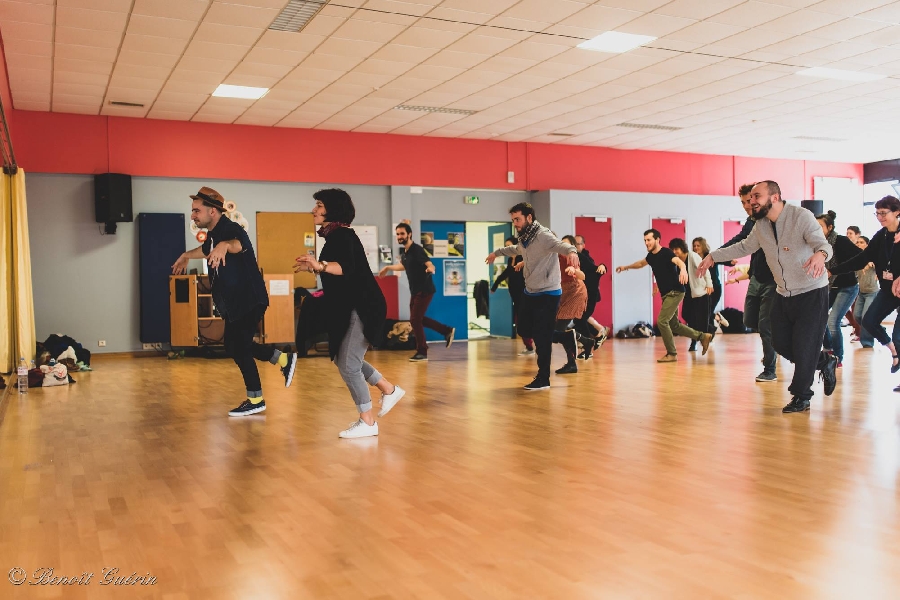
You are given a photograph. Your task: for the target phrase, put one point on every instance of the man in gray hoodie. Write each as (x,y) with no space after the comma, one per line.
(796,251)
(538,248)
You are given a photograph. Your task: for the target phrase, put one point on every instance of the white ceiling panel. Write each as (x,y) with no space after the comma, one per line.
(721,69)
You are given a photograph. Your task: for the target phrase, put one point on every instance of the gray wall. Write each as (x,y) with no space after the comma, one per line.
(631,215)
(86,284)
(446,205)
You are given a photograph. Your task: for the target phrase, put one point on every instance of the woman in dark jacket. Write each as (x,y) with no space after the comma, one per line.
(355,308)
(884,251)
(515,281)
(843,289)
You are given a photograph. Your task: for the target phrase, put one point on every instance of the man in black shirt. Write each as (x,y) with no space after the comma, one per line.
(419,270)
(760,293)
(671,276)
(239,293)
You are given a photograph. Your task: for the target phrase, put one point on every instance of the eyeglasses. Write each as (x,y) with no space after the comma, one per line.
(882,213)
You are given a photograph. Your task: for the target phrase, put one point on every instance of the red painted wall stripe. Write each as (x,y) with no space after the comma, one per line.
(67,143)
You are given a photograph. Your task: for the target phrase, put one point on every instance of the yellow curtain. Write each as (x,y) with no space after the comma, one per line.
(17,334)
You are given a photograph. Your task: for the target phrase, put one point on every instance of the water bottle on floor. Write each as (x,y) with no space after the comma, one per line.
(22,372)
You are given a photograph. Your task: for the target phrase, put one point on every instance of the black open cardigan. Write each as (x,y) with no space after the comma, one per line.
(355,290)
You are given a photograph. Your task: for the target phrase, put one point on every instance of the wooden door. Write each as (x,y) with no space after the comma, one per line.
(597,234)
(278,322)
(183,310)
(280,239)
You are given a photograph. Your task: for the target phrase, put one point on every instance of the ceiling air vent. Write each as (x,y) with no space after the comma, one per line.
(126,104)
(435,109)
(649,126)
(297,14)
(818,139)
(558,134)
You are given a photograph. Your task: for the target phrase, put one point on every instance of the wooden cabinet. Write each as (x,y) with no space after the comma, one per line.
(193,318)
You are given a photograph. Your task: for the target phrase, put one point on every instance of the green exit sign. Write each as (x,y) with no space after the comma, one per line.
(472,199)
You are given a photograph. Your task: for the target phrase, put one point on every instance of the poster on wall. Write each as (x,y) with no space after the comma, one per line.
(455,244)
(427,239)
(440,249)
(454,278)
(368,235)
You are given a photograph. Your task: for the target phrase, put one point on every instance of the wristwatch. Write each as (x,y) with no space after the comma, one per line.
(824,253)
(324,264)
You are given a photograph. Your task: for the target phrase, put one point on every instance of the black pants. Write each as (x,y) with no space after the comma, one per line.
(697,312)
(537,319)
(240,346)
(884,304)
(798,326)
(562,334)
(582,326)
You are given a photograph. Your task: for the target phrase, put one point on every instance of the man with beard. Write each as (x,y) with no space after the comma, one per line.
(239,293)
(419,270)
(760,293)
(796,251)
(538,248)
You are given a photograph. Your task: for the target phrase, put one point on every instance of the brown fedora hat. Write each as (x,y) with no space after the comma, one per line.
(210,197)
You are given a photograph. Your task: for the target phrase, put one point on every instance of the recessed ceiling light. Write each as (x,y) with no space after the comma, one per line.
(297,14)
(841,74)
(240,91)
(615,41)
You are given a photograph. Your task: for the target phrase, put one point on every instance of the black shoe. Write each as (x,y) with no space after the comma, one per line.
(247,408)
(828,375)
(796,405)
(586,354)
(538,383)
(567,368)
(449,337)
(766,376)
(897,389)
(692,347)
(418,357)
(288,369)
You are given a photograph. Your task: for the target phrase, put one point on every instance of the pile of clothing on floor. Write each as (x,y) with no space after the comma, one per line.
(49,375)
(64,349)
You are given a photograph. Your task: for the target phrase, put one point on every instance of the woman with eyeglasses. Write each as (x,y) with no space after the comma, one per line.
(884,252)
(355,307)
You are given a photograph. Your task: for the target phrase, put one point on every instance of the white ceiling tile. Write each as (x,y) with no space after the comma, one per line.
(323,25)
(210,65)
(121,6)
(294,42)
(357,29)
(91,53)
(79,89)
(15,30)
(467,16)
(449,58)
(154,44)
(94,20)
(161,27)
(24,12)
(147,59)
(196,77)
(331,62)
(706,32)
(353,48)
(188,10)
(849,9)
(405,54)
(217,51)
(241,16)
(271,56)
(170,116)
(70,108)
(60,76)
(656,25)
(226,34)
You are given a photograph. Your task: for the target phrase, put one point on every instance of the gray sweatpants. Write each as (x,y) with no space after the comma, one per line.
(355,371)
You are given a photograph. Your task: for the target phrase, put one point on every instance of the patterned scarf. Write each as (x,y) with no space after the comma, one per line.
(324,230)
(527,234)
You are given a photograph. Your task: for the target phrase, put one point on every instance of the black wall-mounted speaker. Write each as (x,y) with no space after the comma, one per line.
(816,207)
(112,198)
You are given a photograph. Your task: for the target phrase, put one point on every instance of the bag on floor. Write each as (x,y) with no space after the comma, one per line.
(735,320)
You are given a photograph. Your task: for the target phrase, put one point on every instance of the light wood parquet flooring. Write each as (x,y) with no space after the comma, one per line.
(627,480)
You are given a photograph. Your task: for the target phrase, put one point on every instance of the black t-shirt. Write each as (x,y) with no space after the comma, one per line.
(237,286)
(413,261)
(665,271)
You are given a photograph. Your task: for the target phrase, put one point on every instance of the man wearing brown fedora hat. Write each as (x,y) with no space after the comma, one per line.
(239,293)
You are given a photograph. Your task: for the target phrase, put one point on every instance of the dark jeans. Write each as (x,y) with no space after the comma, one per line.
(537,319)
(240,346)
(884,304)
(697,312)
(758,315)
(418,304)
(798,326)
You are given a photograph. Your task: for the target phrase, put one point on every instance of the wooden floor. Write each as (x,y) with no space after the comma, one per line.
(627,480)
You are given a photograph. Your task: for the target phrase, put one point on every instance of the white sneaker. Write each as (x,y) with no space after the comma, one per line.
(389,400)
(527,352)
(359,430)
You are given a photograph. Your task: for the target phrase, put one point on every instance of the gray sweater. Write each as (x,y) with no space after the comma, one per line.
(541,261)
(799,236)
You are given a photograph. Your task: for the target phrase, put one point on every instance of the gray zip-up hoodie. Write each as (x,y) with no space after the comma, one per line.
(541,262)
(799,235)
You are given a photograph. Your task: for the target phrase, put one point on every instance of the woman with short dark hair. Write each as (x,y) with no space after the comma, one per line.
(843,289)
(355,309)
(884,251)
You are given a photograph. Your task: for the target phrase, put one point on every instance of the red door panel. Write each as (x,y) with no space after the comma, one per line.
(598,240)
(667,231)
(736,292)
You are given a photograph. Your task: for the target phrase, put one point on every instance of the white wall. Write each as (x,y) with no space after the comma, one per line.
(86,284)
(631,214)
